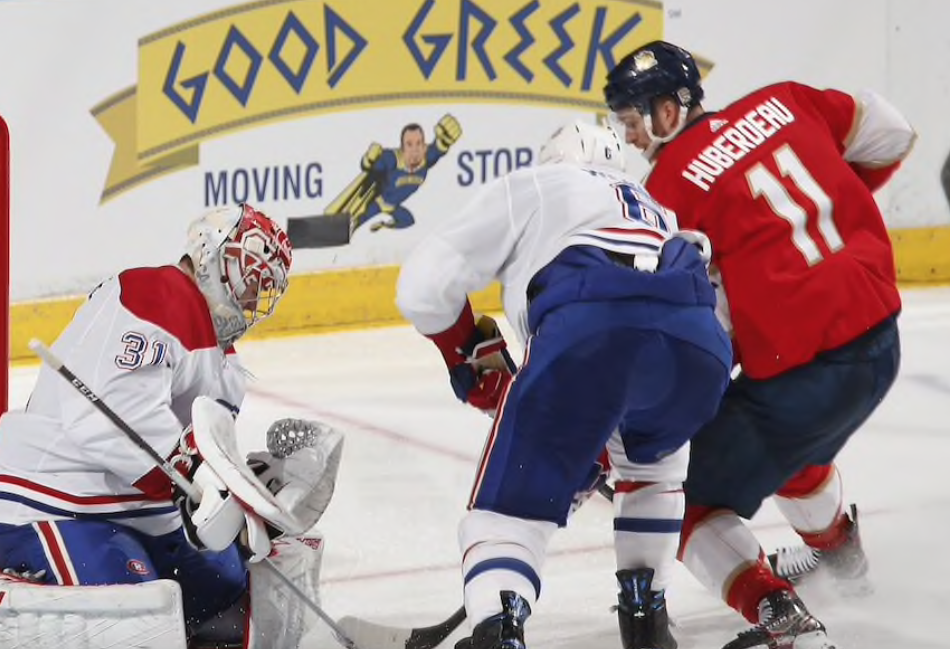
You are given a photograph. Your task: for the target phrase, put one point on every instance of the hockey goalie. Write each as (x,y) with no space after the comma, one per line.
(266,504)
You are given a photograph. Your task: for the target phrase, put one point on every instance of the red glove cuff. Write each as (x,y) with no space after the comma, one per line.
(488,392)
(453,340)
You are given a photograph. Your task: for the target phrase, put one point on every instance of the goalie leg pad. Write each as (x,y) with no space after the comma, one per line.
(278,617)
(147,615)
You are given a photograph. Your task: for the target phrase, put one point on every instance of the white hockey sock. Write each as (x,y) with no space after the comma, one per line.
(813,509)
(648,518)
(718,549)
(500,553)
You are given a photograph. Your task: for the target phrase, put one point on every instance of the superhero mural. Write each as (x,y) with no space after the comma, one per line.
(376,197)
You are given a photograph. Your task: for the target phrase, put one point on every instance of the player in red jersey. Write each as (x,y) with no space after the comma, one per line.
(782,182)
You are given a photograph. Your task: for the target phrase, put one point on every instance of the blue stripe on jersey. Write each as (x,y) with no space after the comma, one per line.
(649,525)
(56,511)
(513,565)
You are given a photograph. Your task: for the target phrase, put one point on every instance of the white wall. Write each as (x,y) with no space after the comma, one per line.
(61,58)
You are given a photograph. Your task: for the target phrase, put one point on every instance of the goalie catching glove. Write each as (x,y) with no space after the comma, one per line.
(296,475)
(477,357)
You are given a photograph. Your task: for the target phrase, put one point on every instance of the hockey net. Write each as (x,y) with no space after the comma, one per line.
(4,263)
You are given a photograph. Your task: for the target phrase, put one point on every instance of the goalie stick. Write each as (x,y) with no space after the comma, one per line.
(175,476)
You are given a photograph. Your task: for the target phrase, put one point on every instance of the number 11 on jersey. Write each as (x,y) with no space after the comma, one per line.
(763,182)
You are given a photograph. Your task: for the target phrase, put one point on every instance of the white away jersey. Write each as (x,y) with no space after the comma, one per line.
(144,342)
(514,227)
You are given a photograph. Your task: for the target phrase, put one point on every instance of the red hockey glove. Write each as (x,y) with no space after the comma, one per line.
(476,354)
(185,457)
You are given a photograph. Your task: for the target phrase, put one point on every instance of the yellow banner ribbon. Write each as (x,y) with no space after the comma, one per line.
(274,60)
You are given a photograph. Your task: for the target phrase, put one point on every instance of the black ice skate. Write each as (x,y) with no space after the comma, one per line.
(644,622)
(784,623)
(503,630)
(847,564)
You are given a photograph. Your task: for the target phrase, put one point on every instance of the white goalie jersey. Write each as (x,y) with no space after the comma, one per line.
(144,342)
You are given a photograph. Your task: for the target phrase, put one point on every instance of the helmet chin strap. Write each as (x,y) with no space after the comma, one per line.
(656,141)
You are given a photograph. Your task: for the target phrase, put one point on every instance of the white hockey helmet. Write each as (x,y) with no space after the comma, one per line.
(584,143)
(242,259)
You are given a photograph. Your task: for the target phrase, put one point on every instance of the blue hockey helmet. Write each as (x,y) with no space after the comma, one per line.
(657,69)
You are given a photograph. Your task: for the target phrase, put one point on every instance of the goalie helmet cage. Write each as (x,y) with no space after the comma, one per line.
(4,263)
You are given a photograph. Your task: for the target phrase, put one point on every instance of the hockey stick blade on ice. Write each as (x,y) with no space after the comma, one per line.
(378,636)
(175,476)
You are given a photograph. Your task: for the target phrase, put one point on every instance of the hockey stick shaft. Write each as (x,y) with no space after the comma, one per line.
(338,632)
(56,364)
(180,480)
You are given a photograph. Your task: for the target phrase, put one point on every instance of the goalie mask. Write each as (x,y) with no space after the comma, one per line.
(241,260)
(586,144)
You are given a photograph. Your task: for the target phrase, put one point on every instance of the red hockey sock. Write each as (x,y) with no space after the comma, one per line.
(750,587)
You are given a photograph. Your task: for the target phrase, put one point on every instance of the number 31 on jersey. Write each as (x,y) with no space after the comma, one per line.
(139,351)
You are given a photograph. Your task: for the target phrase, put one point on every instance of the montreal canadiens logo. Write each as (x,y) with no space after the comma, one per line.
(137,567)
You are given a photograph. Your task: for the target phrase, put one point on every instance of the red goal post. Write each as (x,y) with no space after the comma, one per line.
(4,263)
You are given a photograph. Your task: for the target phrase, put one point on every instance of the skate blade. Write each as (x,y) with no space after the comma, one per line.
(813,640)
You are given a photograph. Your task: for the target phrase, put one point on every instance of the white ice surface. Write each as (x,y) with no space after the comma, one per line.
(410,450)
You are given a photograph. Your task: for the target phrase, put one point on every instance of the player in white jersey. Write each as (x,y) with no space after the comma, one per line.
(622,349)
(82,505)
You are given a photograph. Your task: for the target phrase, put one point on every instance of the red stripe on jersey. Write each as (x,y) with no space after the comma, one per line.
(78,500)
(653,234)
(169,299)
(490,443)
(56,553)
(155,484)
(629,487)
